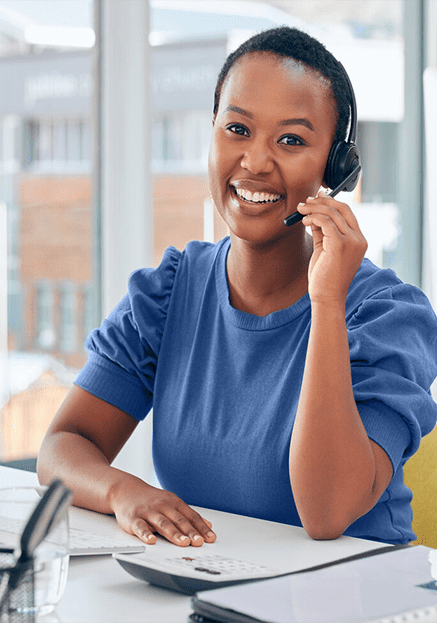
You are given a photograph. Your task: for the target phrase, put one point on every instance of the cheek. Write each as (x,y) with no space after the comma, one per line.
(306,179)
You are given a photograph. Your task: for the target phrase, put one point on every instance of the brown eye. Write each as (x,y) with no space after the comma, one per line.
(238,129)
(290,139)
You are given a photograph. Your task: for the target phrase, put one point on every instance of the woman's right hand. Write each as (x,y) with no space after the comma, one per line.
(144,510)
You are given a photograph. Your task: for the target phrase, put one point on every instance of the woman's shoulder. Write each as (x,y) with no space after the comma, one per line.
(373,282)
(379,294)
(193,259)
(370,276)
(201,255)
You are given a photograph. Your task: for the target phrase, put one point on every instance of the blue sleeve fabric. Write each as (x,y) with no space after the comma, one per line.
(123,351)
(393,352)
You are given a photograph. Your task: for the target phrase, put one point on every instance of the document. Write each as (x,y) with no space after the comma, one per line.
(378,587)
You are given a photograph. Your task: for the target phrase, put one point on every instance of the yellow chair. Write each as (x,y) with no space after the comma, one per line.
(420,474)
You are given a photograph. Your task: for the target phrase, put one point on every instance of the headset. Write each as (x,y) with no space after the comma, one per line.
(342,170)
(344,156)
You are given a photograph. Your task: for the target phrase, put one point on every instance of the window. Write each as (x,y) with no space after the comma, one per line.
(88,306)
(46,190)
(69,318)
(180,142)
(9,144)
(73,141)
(378,142)
(45,332)
(57,144)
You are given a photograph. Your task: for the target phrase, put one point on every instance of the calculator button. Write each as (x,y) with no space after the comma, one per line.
(206,570)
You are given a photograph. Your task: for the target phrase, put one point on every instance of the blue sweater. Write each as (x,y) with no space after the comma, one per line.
(225,384)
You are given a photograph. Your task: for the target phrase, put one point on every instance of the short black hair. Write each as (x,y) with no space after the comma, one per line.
(298,45)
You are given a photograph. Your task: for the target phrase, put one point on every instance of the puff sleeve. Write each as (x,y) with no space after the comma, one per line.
(393,351)
(123,352)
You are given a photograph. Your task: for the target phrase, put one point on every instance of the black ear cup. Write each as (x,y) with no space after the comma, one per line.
(342,160)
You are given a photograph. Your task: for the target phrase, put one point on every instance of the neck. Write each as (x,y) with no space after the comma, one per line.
(266,278)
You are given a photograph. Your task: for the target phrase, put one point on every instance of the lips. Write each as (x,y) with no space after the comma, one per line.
(253,195)
(257,198)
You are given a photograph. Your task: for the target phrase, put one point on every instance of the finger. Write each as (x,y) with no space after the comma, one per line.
(342,208)
(192,524)
(207,522)
(328,236)
(204,526)
(330,213)
(142,529)
(326,225)
(165,527)
(342,214)
(325,204)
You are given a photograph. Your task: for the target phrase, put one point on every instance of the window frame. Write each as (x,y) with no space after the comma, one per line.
(123,207)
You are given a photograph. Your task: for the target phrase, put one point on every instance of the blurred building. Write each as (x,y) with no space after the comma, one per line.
(46,150)
(46,135)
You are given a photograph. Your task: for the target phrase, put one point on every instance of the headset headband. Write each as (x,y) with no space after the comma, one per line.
(353,108)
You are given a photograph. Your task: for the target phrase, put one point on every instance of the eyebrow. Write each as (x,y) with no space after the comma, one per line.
(285,122)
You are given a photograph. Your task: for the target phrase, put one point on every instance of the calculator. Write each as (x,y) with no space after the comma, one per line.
(190,572)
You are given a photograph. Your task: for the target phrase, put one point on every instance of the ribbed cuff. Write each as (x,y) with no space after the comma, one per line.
(112,384)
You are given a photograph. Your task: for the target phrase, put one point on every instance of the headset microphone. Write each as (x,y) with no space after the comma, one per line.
(342,170)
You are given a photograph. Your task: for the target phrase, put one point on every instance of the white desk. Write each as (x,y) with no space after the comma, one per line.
(99,590)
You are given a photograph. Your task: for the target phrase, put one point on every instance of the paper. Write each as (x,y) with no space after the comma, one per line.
(365,589)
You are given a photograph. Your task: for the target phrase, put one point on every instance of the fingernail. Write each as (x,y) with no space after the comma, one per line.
(196,537)
(308,198)
(301,204)
(184,538)
(210,534)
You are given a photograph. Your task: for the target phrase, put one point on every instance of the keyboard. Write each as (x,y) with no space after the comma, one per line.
(81,543)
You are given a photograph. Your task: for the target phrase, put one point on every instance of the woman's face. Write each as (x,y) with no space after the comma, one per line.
(271,138)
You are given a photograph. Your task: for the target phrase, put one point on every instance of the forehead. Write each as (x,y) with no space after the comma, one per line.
(279,83)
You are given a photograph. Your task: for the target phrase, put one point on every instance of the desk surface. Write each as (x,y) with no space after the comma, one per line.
(99,590)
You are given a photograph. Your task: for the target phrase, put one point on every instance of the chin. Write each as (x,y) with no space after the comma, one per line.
(258,234)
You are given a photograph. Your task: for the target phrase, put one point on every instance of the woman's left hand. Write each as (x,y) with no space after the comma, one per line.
(338,248)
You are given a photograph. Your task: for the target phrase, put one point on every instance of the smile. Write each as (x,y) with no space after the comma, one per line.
(257,198)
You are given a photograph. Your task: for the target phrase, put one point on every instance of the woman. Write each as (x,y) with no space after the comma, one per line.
(289,377)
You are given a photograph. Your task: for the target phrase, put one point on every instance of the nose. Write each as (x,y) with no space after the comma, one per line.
(258,158)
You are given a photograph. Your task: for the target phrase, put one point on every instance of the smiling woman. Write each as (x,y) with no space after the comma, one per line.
(273,130)
(289,376)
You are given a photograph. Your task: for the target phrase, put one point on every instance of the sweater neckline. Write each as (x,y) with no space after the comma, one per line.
(244,320)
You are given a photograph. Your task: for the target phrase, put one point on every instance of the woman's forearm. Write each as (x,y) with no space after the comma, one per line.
(332,464)
(82,467)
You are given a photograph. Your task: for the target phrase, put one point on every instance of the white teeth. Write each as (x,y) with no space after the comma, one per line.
(256,197)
